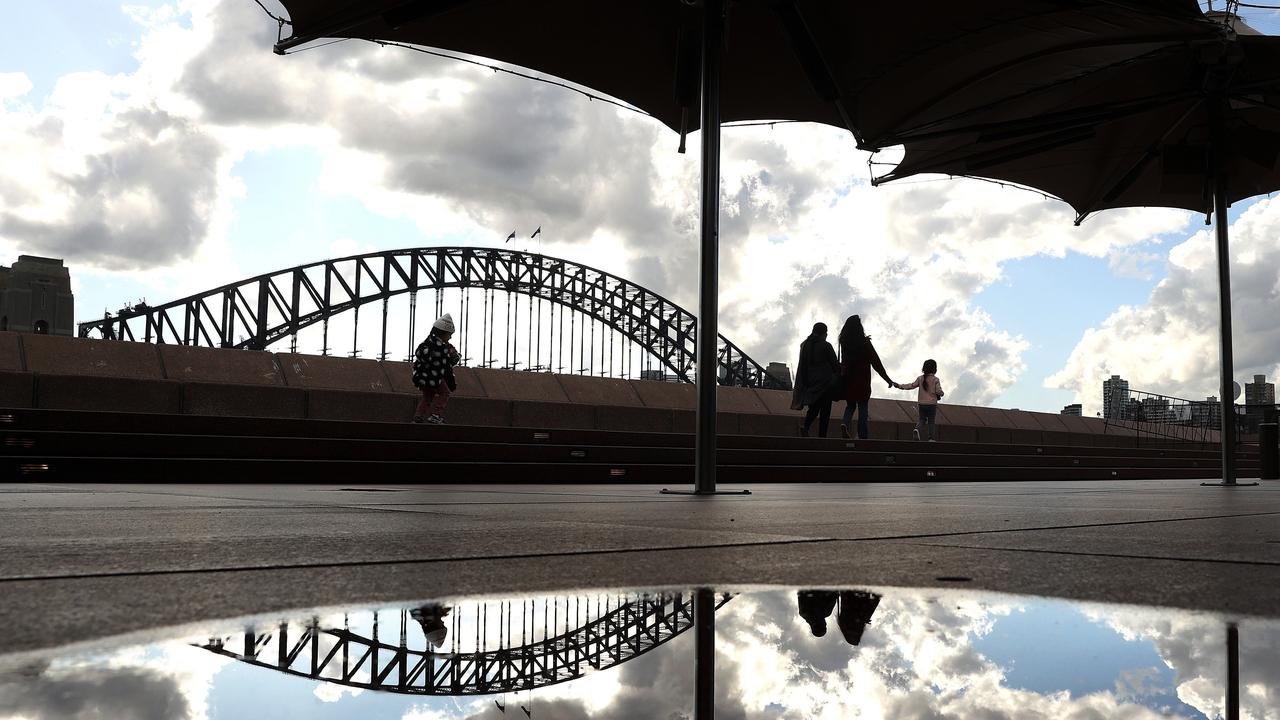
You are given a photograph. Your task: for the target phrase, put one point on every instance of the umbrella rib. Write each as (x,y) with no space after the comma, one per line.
(341,23)
(896,138)
(1130,176)
(814,64)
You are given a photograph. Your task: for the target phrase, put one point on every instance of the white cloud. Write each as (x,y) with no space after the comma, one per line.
(1169,345)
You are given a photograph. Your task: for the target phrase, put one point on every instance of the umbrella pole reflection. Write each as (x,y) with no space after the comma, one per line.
(704,628)
(1233,672)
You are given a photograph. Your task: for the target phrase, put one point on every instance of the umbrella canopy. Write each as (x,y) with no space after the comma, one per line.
(1114,105)
(643,52)
(1119,119)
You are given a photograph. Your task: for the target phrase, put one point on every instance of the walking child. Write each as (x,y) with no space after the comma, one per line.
(433,371)
(928,397)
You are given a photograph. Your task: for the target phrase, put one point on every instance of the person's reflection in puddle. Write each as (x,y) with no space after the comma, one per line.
(856,609)
(431,618)
(816,607)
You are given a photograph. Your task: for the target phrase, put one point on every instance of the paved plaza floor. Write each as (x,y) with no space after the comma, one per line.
(81,562)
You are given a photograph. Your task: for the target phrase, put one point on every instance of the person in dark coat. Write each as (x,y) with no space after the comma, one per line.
(856,609)
(433,371)
(817,378)
(857,357)
(815,607)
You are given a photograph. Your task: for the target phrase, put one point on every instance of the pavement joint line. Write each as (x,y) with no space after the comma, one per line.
(1123,556)
(607,551)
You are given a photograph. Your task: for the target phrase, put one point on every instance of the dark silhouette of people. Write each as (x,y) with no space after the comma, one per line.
(856,609)
(857,358)
(431,618)
(817,380)
(816,607)
(854,614)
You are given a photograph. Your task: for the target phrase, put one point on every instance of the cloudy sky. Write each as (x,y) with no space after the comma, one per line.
(162,149)
(924,655)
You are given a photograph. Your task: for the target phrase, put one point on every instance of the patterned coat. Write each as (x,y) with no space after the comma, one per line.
(432,361)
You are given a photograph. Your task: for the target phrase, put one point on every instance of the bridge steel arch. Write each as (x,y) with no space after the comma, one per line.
(259,311)
(342,657)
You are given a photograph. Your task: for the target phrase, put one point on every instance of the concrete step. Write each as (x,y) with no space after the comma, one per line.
(145,424)
(36,468)
(53,444)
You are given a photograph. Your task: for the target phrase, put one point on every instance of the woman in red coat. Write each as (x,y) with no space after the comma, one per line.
(857,357)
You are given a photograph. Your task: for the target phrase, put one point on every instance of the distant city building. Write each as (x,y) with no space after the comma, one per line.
(1156,410)
(1207,413)
(1259,392)
(1115,396)
(35,297)
(780,372)
(1075,409)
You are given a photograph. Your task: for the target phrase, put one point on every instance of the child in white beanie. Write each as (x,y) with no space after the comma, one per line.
(433,370)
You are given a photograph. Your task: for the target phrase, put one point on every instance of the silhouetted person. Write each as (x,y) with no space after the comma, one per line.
(431,618)
(856,609)
(816,607)
(817,377)
(433,363)
(857,357)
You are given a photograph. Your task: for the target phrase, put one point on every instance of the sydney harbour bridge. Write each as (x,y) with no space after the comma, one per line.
(513,310)
(474,648)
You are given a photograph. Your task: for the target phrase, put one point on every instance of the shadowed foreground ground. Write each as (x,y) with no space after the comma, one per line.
(79,562)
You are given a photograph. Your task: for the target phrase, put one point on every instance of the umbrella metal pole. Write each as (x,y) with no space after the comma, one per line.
(704,667)
(709,252)
(1227,431)
(708,332)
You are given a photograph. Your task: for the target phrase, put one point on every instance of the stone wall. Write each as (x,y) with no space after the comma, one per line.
(83,374)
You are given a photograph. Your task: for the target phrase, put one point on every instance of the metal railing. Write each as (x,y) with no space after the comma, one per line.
(1164,418)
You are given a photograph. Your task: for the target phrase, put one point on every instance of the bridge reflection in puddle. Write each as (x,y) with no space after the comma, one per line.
(874,653)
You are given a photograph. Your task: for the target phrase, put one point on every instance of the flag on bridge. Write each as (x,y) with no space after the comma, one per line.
(511,237)
(536,233)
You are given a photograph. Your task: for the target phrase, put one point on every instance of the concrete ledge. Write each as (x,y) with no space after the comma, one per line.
(17,389)
(333,373)
(992,417)
(773,425)
(1027,437)
(740,400)
(563,415)
(612,392)
(892,410)
(1056,437)
(217,365)
(1022,420)
(778,402)
(1049,422)
(516,385)
(243,400)
(684,421)
(958,415)
(11,352)
(664,394)
(326,404)
(1003,436)
(78,392)
(400,377)
(635,419)
(464,410)
(957,433)
(69,356)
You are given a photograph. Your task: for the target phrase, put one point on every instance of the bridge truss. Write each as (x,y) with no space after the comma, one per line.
(264,310)
(531,651)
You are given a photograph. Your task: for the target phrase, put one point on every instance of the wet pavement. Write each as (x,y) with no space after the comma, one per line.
(797,652)
(80,562)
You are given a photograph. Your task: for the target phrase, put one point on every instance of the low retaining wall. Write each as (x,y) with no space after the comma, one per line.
(73,373)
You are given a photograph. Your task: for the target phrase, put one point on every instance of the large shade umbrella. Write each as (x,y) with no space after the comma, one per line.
(1179,110)
(673,59)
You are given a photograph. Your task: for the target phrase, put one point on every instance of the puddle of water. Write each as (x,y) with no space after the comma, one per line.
(797,653)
